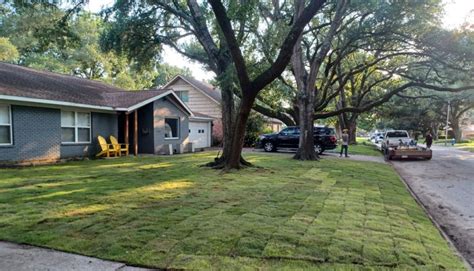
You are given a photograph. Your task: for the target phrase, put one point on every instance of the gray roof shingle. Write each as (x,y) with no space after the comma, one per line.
(30,83)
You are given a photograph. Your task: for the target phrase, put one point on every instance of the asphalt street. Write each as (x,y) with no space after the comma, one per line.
(445,186)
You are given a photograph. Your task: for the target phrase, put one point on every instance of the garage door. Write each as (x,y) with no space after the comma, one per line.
(199,134)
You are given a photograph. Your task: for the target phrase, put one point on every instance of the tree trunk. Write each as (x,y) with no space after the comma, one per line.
(305,98)
(456,130)
(341,123)
(306,83)
(227,108)
(228,127)
(434,131)
(306,144)
(352,131)
(338,129)
(233,159)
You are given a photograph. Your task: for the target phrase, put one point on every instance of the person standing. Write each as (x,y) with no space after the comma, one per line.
(428,140)
(345,143)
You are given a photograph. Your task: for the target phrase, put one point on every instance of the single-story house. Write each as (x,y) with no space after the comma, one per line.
(47,116)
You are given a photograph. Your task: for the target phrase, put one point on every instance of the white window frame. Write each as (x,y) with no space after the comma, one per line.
(77,127)
(178,130)
(8,124)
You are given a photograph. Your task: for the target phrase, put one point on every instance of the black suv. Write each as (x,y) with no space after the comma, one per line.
(324,139)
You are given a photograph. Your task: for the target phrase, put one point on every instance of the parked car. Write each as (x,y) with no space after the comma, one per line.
(324,139)
(377,137)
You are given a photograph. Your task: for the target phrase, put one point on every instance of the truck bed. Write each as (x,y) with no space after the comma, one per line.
(412,152)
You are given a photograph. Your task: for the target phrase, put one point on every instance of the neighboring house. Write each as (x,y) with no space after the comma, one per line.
(47,116)
(467,125)
(203,99)
(206,99)
(468,131)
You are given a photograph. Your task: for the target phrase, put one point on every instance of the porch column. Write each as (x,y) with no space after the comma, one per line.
(135,133)
(126,137)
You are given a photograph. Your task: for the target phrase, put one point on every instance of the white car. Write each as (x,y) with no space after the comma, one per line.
(377,137)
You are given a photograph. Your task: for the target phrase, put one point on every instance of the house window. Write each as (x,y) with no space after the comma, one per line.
(75,127)
(5,125)
(171,128)
(183,95)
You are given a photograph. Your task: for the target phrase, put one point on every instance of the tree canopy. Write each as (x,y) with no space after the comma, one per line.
(45,36)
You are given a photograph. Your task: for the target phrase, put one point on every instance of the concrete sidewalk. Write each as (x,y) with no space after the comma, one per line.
(23,257)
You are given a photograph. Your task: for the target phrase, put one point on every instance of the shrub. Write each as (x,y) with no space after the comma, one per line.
(255,127)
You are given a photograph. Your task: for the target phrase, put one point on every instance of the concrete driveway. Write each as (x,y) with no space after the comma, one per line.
(445,186)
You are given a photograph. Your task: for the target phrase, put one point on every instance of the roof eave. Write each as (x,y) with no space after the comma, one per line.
(164,94)
(56,103)
(28,100)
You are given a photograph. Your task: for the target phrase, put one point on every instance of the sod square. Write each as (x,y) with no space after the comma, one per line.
(378,254)
(169,212)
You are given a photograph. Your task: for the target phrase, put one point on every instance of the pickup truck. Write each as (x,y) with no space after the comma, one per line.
(289,138)
(398,144)
(396,138)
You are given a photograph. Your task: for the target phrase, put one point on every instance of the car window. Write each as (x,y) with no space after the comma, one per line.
(287,131)
(397,134)
(290,131)
(284,131)
(324,131)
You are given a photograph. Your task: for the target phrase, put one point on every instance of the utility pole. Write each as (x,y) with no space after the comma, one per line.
(447,125)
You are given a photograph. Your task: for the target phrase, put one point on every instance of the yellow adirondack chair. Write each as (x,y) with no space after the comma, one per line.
(119,147)
(106,149)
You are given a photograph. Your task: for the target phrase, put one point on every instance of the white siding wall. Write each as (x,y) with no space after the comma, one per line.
(198,102)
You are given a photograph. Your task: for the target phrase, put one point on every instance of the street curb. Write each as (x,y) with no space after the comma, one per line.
(438,227)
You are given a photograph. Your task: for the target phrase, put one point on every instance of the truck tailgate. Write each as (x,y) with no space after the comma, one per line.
(409,153)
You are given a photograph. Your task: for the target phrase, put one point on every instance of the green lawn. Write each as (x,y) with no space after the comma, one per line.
(168,212)
(363,147)
(467,145)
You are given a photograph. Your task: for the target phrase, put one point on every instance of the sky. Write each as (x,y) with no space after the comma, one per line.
(456,13)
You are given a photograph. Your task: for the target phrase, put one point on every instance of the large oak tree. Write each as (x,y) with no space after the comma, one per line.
(222,40)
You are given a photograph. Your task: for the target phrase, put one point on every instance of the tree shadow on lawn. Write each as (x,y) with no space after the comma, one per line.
(168,212)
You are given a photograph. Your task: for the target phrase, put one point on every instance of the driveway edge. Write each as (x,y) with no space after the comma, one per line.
(435,223)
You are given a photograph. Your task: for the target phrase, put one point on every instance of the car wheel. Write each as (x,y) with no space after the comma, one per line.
(318,149)
(268,147)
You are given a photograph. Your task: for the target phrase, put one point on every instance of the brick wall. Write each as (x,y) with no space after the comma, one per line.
(36,135)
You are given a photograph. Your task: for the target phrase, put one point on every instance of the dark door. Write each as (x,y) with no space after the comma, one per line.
(295,138)
(288,138)
(284,137)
